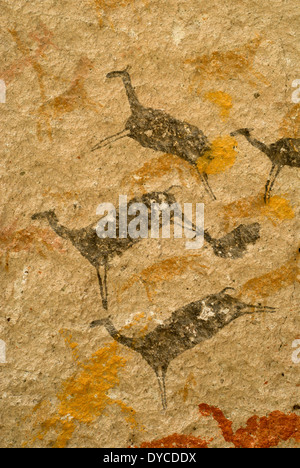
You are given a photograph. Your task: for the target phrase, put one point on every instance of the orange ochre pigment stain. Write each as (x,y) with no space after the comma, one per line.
(290,125)
(14,240)
(259,432)
(227,65)
(269,283)
(277,210)
(163,271)
(177,441)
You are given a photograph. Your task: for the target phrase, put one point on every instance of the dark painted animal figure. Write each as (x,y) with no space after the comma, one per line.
(285,152)
(159,131)
(99,251)
(185,329)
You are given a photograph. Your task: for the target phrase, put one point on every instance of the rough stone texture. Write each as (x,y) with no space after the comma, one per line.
(221,66)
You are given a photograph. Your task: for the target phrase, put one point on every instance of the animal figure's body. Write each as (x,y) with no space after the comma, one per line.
(285,152)
(99,251)
(185,329)
(159,131)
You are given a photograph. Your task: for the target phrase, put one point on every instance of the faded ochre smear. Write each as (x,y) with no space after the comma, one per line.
(158,168)
(84,396)
(166,270)
(228,65)
(61,195)
(277,209)
(13,240)
(74,97)
(269,283)
(25,50)
(30,55)
(190,382)
(222,100)
(220,157)
(290,125)
(259,432)
(103,7)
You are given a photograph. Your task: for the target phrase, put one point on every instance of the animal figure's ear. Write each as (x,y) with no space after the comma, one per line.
(227,289)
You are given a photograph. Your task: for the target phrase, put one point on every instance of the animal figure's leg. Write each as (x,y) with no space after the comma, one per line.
(103,286)
(99,145)
(271,181)
(161,377)
(204,178)
(268,182)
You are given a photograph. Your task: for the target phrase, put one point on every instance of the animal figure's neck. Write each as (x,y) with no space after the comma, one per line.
(60,230)
(258,144)
(131,94)
(124,340)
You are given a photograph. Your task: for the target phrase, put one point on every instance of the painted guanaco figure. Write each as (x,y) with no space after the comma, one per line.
(157,130)
(285,152)
(186,328)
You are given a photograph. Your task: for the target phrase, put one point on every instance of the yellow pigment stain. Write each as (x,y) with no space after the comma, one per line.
(268,284)
(163,271)
(220,157)
(290,125)
(222,100)
(277,210)
(84,396)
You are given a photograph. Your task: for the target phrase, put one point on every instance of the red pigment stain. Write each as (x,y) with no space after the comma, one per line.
(264,432)
(177,441)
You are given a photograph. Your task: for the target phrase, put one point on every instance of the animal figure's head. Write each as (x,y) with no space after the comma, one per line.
(44,215)
(246,132)
(222,308)
(118,74)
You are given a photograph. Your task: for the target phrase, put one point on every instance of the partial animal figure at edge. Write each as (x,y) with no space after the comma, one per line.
(285,152)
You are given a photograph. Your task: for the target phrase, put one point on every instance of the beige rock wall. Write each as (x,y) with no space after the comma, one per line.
(220,66)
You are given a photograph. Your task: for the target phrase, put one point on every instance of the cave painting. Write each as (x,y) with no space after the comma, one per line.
(99,251)
(155,129)
(284,152)
(186,328)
